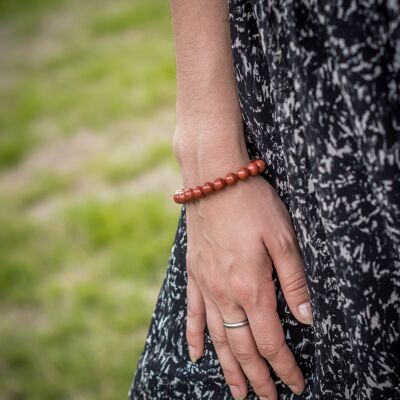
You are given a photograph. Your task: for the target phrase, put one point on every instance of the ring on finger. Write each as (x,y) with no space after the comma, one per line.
(233,325)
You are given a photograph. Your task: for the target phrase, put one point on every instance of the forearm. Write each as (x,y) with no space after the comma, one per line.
(209,130)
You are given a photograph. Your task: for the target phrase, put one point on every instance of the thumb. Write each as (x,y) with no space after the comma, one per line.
(289,266)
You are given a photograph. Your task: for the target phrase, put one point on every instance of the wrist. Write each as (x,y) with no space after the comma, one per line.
(207,153)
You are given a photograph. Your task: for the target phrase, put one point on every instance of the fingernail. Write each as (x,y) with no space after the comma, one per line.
(236,393)
(192,354)
(295,389)
(306,313)
(263,398)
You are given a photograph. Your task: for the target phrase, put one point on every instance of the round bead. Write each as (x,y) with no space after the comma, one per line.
(207,188)
(219,184)
(188,194)
(243,173)
(261,165)
(181,198)
(253,168)
(231,178)
(197,193)
(177,197)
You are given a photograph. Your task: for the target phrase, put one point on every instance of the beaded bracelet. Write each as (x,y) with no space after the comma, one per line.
(254,167)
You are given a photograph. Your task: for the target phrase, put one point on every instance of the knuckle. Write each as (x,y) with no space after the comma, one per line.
(295,283)
(287,372)
(231,376)
(261,386)
(271,350)
(287,244)
(193,327)
(218,339)
(244,356)
(243,290)
(192,335)
(217,290)
(194,313)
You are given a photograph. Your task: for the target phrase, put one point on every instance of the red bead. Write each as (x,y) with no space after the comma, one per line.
(243,173)
(181,199)
(197,193)
(261,165)
(188,194)
(207,188)
(177,197)
(253,168)
(219,184)
(231,178)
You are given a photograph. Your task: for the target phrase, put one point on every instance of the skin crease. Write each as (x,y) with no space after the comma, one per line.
(235,237)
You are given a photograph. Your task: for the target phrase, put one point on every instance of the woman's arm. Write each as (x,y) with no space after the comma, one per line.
(209,132)
(235,237)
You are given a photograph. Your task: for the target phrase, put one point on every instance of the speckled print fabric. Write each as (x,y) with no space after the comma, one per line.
(319,85)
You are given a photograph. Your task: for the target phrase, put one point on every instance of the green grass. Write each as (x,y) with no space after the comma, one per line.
(74,293)
(131,234)
(81,258)
(110,65)
(44,186)
(124,170)
(149,15)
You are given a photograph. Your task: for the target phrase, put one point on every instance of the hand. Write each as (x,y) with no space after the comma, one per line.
(235,237)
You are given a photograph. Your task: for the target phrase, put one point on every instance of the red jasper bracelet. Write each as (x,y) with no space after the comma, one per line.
(254,167)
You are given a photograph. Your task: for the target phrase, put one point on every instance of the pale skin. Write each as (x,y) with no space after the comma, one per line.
(236,237)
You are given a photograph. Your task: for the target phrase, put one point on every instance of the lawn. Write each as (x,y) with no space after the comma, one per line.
(86,172)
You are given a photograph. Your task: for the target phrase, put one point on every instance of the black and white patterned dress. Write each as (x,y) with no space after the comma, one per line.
(319,85)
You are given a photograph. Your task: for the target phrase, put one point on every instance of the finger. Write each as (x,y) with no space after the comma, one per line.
(289,265)
(196,320)
(269,336)
(230,366)
(245,350)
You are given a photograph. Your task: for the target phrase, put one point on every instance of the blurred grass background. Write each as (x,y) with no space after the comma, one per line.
(86,171)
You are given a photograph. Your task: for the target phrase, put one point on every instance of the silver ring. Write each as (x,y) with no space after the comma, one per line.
(235,324)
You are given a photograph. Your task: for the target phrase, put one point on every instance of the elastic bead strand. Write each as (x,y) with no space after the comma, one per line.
(253,168)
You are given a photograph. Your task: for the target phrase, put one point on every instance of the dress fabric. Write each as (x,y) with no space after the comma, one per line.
(319,89)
